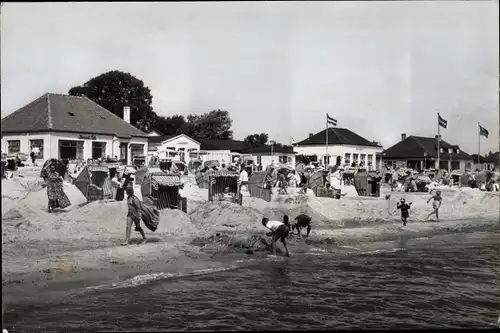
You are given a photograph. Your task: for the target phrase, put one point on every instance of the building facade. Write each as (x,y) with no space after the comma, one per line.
(344,148)
(421,153)
(73,128)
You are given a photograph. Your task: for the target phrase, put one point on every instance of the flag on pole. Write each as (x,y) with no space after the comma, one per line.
(483,131)
(443,123)
(330,120)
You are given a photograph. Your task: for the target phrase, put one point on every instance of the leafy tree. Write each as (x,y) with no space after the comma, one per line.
(257,140)
(215,124)
(114,90)
(173,125)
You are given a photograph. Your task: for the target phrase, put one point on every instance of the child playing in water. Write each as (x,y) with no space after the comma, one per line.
(436,204)
(404,207)
(279,230)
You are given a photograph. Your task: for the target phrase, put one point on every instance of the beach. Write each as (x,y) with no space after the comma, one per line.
(80,246)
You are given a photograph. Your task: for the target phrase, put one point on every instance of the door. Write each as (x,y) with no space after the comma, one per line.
(123,152)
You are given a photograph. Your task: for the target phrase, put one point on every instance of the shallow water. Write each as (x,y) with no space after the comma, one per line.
(448,281)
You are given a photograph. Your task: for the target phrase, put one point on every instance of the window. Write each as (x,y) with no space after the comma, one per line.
(13,146)
(355,158)
(283,159)
(37,143)
(347,158)
(71,150)
(98,150)
(259,159)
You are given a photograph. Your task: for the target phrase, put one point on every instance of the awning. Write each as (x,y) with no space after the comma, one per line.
(96,168)
(169,180)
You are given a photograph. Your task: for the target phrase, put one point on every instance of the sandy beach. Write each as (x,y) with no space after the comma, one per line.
(80,246)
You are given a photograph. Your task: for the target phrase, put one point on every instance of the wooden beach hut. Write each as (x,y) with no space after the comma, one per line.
(161,190)
(219,182)
(257,186)
(94,182)
(367,183)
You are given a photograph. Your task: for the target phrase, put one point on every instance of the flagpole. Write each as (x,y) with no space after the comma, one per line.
(439,151)
(326,159)
(479,144)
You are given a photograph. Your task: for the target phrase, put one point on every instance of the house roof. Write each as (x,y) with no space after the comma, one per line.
(267,150)
(337,136)
(419,146)
(160,139)
(64,113)
(232,145)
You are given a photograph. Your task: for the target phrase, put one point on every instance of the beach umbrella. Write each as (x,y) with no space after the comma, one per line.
(60,167)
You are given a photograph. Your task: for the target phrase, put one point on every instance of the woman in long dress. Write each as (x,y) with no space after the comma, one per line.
(55,192)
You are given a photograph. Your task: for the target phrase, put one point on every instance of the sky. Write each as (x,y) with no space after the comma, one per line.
(380,68)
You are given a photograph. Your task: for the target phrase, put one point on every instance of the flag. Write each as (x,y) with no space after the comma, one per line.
(443,123)
(483,131)
(330,120)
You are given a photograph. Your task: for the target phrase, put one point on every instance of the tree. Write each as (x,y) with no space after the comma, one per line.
(173,125)
(215,124)
(257,140)
(114,90)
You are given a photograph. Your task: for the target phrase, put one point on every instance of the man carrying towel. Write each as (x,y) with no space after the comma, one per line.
(278,231)
(134,215)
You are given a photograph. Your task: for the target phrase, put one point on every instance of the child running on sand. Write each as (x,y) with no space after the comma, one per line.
(405,207)
(279,230)
(436,204)
(133,216)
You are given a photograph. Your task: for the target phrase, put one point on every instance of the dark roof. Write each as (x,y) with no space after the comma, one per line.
(214,144)
(487,159)
(64,113)
(419,146)
(337,136)
(267,150)
(160,139)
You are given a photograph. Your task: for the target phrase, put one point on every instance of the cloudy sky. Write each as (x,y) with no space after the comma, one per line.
(380,69)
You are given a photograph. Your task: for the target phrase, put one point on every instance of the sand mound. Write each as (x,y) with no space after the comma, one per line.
(298,199)
(226,216)
(176,222)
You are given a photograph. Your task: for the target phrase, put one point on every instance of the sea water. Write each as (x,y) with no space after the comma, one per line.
(449,281)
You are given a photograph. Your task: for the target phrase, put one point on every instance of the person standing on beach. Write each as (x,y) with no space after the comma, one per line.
(436,204)
(243,180)
(133,216)
(405,208)
(279,230)
(55,193)
(34,154)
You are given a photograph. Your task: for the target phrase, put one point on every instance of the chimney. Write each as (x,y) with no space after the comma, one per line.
(126,114)
(403,136)
(311,134)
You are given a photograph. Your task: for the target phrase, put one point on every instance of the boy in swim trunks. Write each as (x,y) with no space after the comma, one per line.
(279,230)
(302,221)
(436,204)
(405,207)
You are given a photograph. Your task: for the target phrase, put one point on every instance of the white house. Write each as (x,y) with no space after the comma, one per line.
(344,148)
(71,127)
(267,155)
(178,147)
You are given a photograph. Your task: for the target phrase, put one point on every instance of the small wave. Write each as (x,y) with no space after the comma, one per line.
(350,247)
(398,249)
(147,278)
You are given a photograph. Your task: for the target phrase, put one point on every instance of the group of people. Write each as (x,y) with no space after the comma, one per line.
(404,207)
(283,229)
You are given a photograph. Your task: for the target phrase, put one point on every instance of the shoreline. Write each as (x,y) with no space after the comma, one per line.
(85,268)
